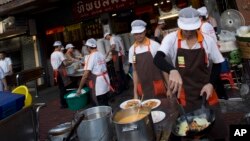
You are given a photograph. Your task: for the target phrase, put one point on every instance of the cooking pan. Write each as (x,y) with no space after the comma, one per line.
(202,113)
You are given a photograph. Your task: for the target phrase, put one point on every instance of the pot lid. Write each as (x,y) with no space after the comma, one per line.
(60,129)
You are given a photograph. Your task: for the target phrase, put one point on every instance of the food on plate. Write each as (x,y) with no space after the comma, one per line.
(131,104)
(198,124)
(150,104)
(132,118)
(183,128)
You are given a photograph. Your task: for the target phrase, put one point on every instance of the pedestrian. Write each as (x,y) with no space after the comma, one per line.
(117,52)
(59,62)
(3,83)
(207,28)
(6,64)
(159,32)
(191,53)
(95,71)
(147,78)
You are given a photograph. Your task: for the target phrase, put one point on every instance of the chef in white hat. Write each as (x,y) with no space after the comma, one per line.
(206,27)
(117,51)
(159,33)
(95,71)
(58,63)
(191,53)
(148,79)
(204,13)
(72,53)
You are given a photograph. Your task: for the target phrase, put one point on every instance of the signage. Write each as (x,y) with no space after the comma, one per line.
(54,30)
(88,8)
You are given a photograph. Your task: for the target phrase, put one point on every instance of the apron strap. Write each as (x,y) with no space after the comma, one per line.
(104,77)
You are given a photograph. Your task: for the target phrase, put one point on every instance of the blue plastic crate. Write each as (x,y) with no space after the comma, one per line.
(10,103)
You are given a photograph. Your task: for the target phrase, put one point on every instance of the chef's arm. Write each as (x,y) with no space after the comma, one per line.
(85,75)
(175,80)
(135,80)
(161,63)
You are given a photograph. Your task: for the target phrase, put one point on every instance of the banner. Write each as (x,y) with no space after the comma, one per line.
(88,8)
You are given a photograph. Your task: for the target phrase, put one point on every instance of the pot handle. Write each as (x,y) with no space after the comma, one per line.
(129,128)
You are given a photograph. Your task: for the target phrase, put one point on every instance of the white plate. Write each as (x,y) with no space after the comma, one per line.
(157,116)
(80,70)
(158,102)
(123,105)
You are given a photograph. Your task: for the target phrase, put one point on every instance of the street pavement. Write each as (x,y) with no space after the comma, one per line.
(51,115)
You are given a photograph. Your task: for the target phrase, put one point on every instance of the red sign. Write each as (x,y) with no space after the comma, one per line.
(88,8)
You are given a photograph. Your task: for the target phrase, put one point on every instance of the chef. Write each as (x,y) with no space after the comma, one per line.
(148,79)
(5,64)
(95,71)
(191,52)
(207,28)
(58,62)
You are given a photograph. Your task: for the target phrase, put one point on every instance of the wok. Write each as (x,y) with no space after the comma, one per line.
(203,113)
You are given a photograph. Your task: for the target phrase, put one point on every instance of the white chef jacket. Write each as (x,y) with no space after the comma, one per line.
(5,63)
(207,28)
(169,46)
(56,59)
(118,44)
(95,62)
(143,48)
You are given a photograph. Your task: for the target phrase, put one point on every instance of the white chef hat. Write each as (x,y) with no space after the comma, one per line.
(91,43)
(69,46)
(106,34)
(161,22)
(203,11)
(138,26)
(57,43)
(189,19)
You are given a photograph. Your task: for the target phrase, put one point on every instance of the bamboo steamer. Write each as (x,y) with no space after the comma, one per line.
(244,45)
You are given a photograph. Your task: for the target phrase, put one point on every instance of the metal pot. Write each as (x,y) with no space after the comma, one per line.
(139,129)
(96,124)
(60,132)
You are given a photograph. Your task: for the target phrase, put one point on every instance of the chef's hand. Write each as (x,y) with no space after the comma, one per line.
(78,92)
(175,82)
(208,89)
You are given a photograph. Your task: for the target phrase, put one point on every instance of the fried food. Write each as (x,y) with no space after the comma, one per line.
(199,124)
(150,104)
(131,104)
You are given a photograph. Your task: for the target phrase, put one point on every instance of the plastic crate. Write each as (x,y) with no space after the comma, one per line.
(77,102)
(10,103)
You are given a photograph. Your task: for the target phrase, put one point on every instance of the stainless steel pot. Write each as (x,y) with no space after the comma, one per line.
(60,132)
(141,129)
(96,124)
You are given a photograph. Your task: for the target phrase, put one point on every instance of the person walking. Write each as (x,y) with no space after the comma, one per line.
(147,78)
(6,64)
(95,71)
(191,54)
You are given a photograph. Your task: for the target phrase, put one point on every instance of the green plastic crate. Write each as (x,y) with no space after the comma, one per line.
(78,102)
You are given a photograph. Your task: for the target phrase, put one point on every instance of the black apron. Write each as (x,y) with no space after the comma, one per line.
(150,78)
(192,66)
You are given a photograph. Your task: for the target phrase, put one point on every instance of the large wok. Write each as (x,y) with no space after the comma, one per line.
(201,113)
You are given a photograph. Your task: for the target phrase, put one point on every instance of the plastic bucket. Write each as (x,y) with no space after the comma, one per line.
(77,102)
